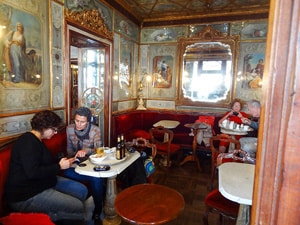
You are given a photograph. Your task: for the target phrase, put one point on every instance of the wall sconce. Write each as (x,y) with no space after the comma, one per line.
(140,89)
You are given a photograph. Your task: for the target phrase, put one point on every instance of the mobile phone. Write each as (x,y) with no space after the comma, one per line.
(102,168)
(82,164)
(235,113)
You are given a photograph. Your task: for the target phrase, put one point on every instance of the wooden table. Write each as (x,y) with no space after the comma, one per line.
(111,218)
(145,204)
(236,183)
(195,128)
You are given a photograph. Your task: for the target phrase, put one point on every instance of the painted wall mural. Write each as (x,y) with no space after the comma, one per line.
(24,80)
(161,35)
(249,78)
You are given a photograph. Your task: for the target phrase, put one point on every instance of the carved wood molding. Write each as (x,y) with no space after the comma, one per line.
(90,20)
(209,33)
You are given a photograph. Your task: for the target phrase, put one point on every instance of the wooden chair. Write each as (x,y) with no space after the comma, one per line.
(215,202)
(142,144)
(163,138)
(214,147)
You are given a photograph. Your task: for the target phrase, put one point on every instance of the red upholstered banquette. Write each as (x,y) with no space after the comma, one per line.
(136,123)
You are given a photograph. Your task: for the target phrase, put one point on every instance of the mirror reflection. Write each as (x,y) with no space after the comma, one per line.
(207,69)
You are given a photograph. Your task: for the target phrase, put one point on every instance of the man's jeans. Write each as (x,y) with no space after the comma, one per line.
(96,185)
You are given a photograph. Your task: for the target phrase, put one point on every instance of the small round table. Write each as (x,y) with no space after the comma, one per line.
(146,204)
(193,157)
(233,132)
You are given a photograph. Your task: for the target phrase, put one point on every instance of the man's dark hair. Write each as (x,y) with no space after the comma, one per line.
(84,111)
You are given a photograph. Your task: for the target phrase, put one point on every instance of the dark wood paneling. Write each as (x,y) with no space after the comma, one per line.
(276,191)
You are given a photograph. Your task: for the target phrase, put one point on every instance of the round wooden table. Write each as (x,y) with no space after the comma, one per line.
(149,204)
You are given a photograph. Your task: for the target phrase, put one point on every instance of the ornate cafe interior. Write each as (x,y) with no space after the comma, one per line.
(199,95)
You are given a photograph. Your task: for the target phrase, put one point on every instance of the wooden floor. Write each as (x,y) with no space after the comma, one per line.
(192,184)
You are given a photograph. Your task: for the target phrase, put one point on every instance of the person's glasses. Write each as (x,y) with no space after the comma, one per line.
(55,129)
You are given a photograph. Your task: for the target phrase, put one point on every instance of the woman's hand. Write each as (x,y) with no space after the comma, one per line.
(65,163)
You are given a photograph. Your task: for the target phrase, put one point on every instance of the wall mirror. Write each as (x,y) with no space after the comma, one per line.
(207,68)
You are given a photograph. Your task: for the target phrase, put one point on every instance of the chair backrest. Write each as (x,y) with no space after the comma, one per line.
(161,136)
(215,141)
(141,143)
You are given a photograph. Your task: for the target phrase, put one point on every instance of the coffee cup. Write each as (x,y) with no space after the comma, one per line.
(224,123)
(246,127)
(231,125)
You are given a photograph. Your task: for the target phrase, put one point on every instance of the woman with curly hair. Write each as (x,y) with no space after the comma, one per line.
(235,115)
(33,184)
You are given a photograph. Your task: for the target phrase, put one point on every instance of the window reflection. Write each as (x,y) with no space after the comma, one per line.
(206,80)
(93,68)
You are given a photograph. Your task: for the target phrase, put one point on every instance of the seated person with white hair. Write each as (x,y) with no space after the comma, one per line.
(249,143)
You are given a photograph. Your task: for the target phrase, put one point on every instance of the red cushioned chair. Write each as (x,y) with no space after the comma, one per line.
(214,147)
(26,218)
(163,138)
(216,203)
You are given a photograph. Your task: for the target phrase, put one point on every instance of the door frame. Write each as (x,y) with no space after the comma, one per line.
(72,30)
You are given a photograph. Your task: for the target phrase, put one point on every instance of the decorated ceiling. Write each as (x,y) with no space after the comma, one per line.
(159,12)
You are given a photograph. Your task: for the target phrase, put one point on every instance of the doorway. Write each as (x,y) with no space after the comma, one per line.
(88,68)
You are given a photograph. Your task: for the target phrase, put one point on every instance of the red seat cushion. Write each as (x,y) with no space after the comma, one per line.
(216,200)
(4,167)
(164,148)
(140,133)
(26,218)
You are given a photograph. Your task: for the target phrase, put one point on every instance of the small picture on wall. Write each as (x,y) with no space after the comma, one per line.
(253,70)
(162,71)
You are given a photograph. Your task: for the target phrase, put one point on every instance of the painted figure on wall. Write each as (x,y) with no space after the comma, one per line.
(259,69)
(15,52)
(21,51)
(162,73)
(253,73)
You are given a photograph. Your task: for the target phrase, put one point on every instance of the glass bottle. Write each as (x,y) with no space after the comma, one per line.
(119,149)
(122,146)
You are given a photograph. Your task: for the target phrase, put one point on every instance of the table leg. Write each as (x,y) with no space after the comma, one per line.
(111,217)
(231,147)
(193,157)
(243,215)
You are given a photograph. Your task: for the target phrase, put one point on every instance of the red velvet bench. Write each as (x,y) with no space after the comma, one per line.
(137,123)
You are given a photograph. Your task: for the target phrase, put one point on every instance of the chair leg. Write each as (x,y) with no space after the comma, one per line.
(212,178)
(168,161)
(205,216)
(221,220)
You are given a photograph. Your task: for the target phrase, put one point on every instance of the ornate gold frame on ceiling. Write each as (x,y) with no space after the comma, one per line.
(89,20)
